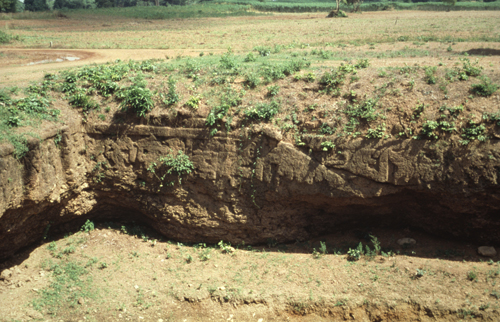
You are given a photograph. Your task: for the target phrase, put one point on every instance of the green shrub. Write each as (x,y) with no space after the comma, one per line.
(83,101)
(172,97)
(263,111)
(228,61)
(250,58)
(193,102)
(362,63)
(430,77)
(469,69)
(366,110)
(13,121)
(6,38)
(485,88)
(137,99)
(178,165)
(473,131)
(88,226)
(273,90)
(192,69)
(355,254)
(252,79)
(263,50)
(4,96)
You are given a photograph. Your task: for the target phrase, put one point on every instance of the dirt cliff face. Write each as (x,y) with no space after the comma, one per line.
(246,186)
(249,185)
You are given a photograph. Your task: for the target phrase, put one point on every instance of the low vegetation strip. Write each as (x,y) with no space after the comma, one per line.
(325,6)
(225,91)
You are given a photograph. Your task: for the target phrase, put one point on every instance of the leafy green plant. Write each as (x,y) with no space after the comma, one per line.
(316,254)
(70,283)
(362,63)
(377,133)
(365,111)
(263,50)
(83,101)
(225,247)
(228,61)
(137,99)
(322,248)
(229,98)
(263,111)
(13,121)
(250,58)
(326,129)
(473,131)
(430,74)
(178,165)
(376,244)
(327,145)
(417,111)
(88,226)
(485,88)
(192,69)
(471,276)
(6,38)
(193,102)
(172,96)
(205,255)
(353,254)
(469,69)
(252,79)
(272,90)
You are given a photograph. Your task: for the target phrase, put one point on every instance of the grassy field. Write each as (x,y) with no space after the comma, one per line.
(93,29)
(312,79)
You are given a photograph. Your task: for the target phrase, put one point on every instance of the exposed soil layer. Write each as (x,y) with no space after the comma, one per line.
(130,273)
(248,186)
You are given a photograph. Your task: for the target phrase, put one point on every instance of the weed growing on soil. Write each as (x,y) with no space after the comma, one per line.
(178,165)
(485,88)
(88,226)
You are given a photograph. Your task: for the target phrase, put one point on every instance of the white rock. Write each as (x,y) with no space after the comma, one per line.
(487,251)
(409,241)
(6,274)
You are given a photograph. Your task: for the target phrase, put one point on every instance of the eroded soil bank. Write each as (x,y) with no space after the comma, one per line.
(248,185)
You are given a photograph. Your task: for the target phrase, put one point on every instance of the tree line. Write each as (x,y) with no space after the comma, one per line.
(44,5)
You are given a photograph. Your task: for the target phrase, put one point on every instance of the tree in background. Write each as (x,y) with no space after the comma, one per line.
(8,5)
(35,5)
(74,4)
(355,4)
(337,12)
(450,3)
